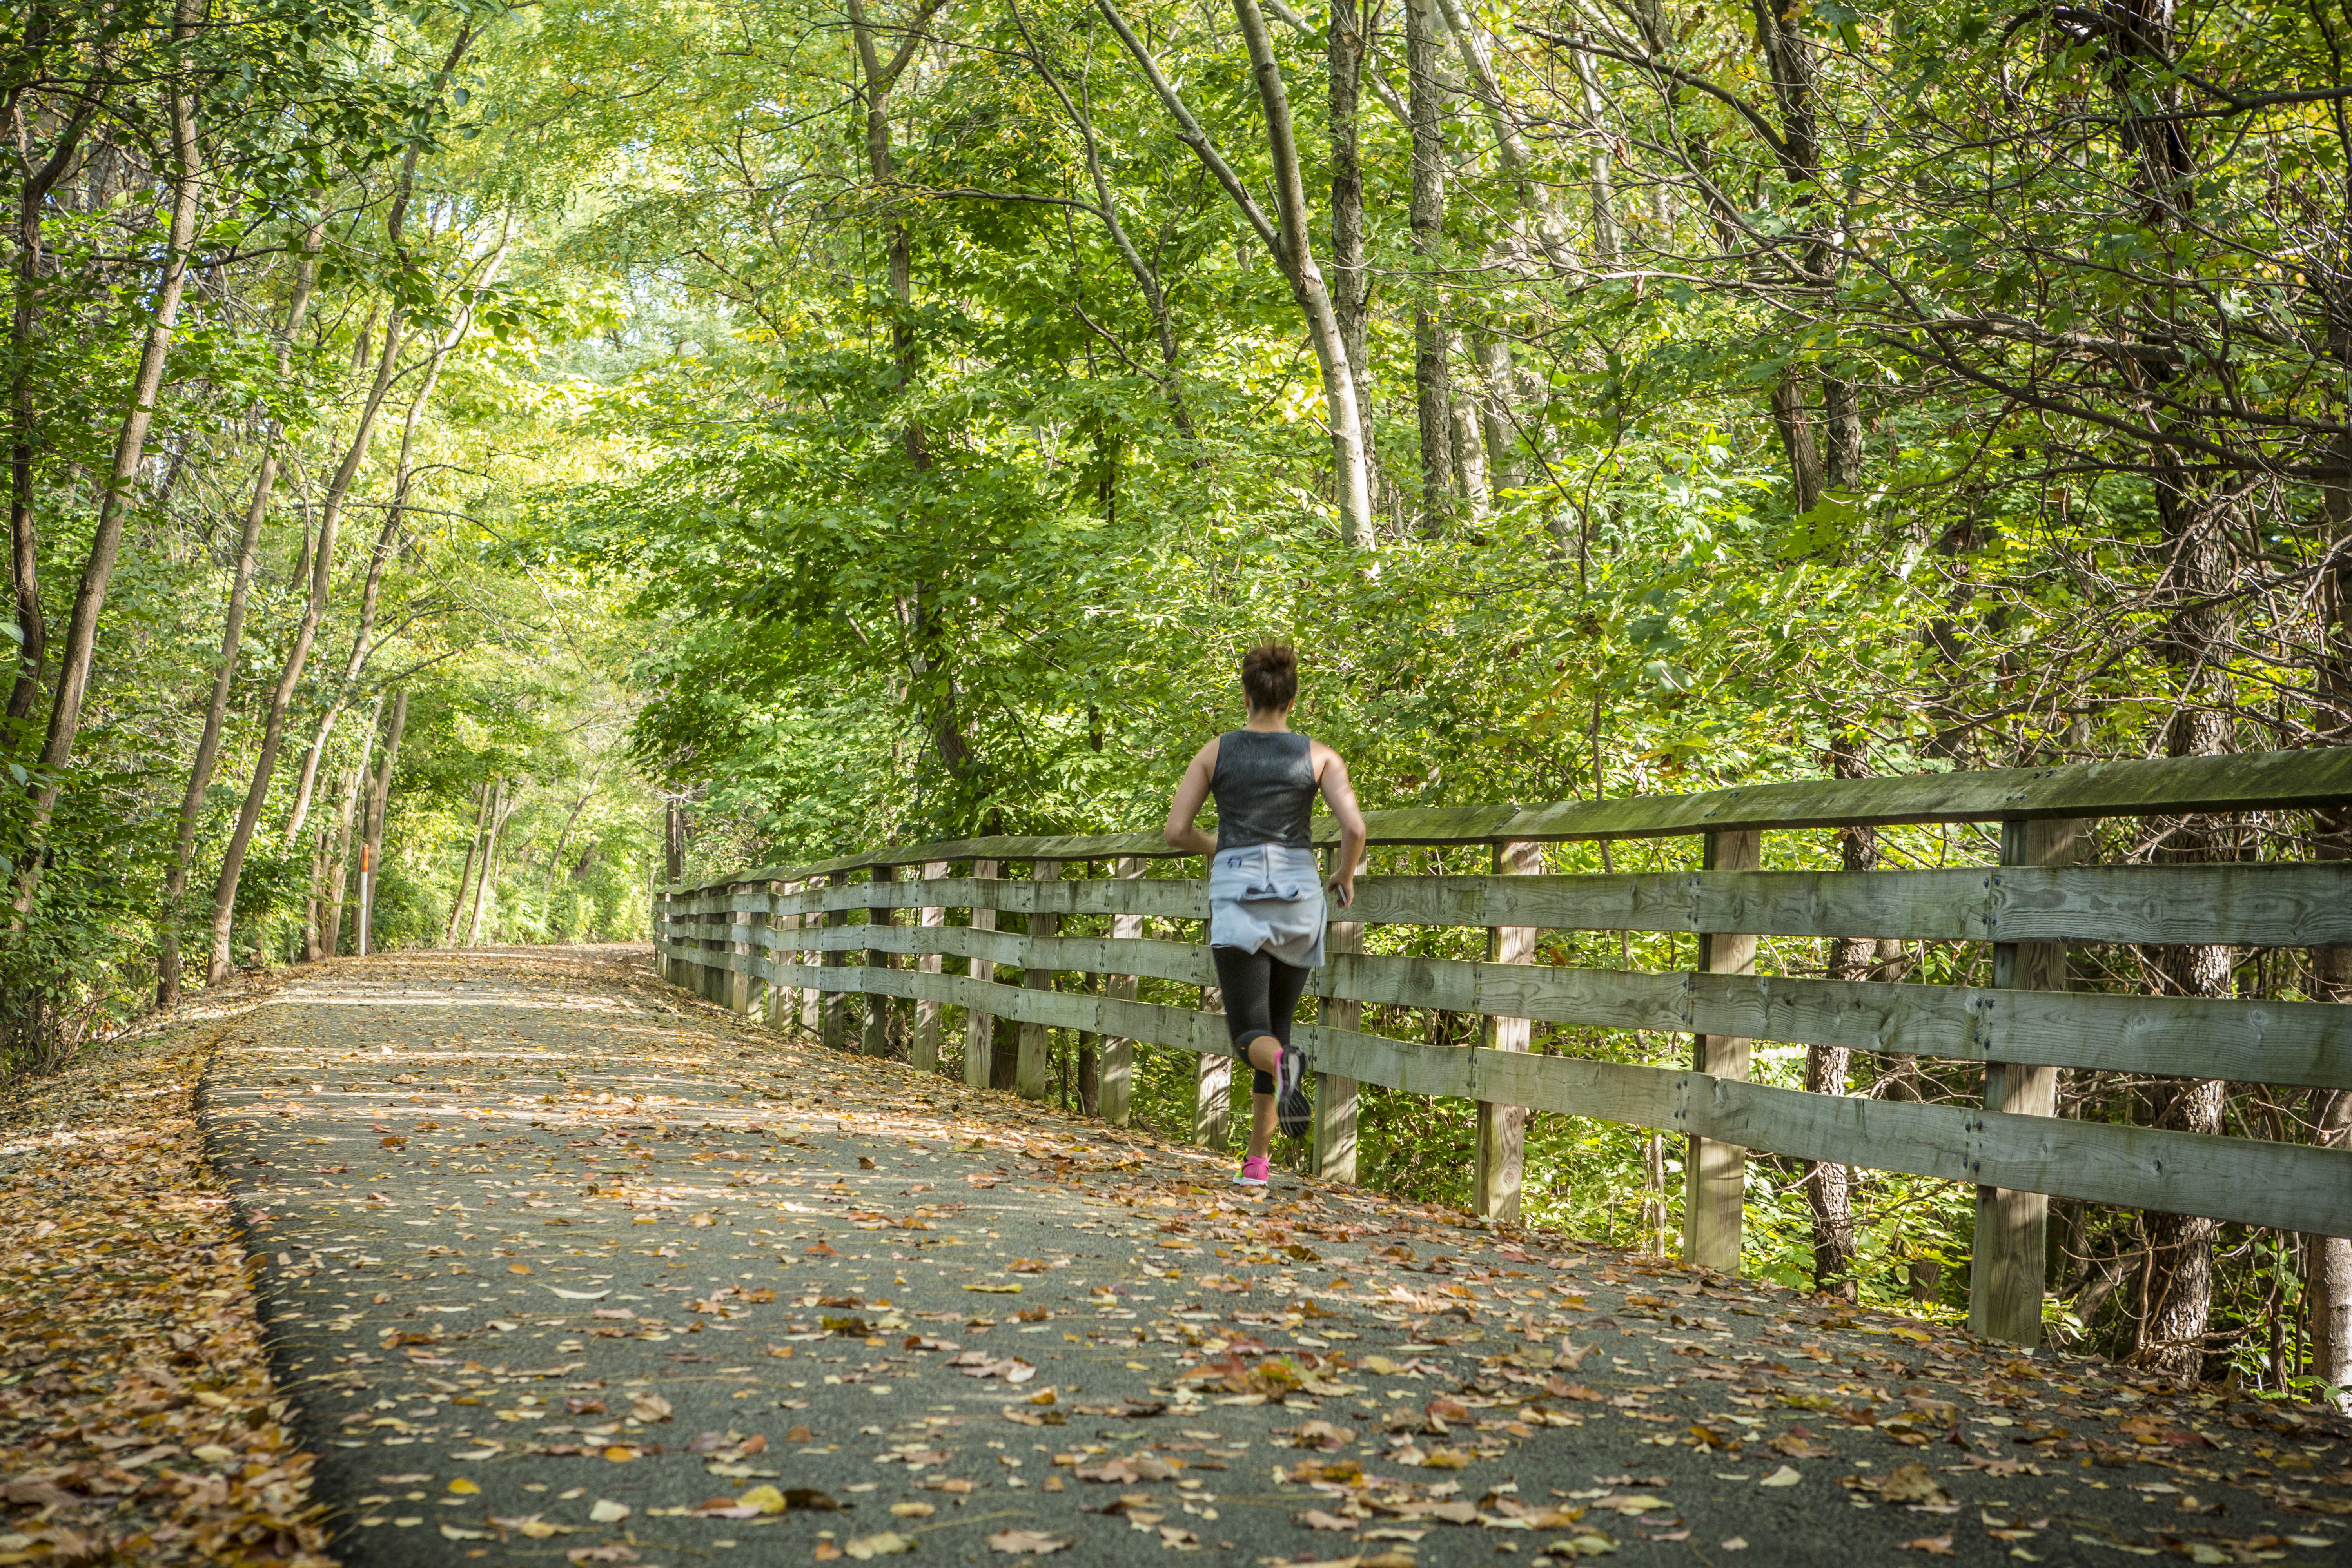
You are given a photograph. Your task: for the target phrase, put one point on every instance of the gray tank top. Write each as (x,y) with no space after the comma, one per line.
(1265,785)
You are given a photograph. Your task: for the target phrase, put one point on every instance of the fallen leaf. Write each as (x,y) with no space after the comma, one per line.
(889,1544)
(605,1511)
(1936,1545)
(912,1510)
(1786,1476)
(1025,1543)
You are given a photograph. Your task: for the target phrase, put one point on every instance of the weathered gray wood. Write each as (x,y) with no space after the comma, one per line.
(980,1026)
(1212,1081)
(2009,1263)
(832,1004)
(1032,1073)
(2248,1181)
(2278,904)
(1714,1173)
(877,956)
(1501,1132)
(1167,898)
(2245,1180)
(2288,1042)
(2251,780)
(926,1050)
(783,996)
(1334,1152)
(1161,960)
(1116,1101)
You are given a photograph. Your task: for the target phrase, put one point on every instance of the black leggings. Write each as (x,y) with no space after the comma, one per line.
(1262,993)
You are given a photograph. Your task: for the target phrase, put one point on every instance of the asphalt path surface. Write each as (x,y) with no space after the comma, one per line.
(563,1265)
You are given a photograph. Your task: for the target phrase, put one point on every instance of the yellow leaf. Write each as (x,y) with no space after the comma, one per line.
(463,1487)
(767,1499)
(517,1267)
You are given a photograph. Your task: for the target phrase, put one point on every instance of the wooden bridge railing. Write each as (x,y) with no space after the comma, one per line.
(779,939)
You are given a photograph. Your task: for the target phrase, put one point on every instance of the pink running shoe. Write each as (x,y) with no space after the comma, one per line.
(1255,1172)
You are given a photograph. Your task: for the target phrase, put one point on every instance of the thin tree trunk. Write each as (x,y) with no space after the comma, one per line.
(24,330)
(1155,299)
(1351,285)
(1287,245)
(273,733)
(200,772)
(339,866)
(2179,1278)
(500,809)
(379,803)
(2329,1287)
(313,942)
(1829,1188)
(1432,391)
(466,872)
(131,444)
(387,543)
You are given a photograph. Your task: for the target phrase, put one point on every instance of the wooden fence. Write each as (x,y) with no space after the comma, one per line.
(780,941)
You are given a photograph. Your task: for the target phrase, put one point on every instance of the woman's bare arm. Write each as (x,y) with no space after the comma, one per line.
(1192,794)
(1341,795)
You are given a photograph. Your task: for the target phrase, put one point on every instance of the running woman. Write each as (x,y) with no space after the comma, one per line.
(1266,888)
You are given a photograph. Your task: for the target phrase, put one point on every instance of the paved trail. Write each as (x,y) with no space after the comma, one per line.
(563,1265)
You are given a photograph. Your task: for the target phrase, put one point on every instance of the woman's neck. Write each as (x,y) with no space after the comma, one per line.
(1276,721)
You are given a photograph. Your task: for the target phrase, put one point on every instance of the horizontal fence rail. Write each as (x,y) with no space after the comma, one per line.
(781,937)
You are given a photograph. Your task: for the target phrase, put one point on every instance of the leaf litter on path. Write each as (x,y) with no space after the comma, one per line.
(698,1128)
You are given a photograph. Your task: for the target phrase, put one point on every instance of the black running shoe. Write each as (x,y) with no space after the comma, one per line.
(1292,1113)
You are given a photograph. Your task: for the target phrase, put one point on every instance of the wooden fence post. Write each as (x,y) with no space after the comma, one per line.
(1715,1175)
(782,996)
(1333,1156)
(926,1012)
(708,977)
(877,1006)
(1115,1099)
(661,933)
(1212,1085)
(739,984)
(1031,1072)
(2007,1272)
(833,1006)
(980,1028)
(1503,1129)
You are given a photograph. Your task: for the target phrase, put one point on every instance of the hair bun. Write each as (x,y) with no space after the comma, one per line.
(1270,676)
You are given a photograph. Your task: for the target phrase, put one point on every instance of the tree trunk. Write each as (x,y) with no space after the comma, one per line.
(25,330)
(379,803)
(339,865)
(273,733)
(466,872)
(1288,246)
(387,541)
(500,809)
(1351,285)
(2328,1289)
(131,444)
(1107,208)
(1829,1188)
(1795,423)
(200,772)
(2177,1283)
(1432,391)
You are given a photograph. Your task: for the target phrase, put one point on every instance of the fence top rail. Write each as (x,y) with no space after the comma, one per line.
(2251,781)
